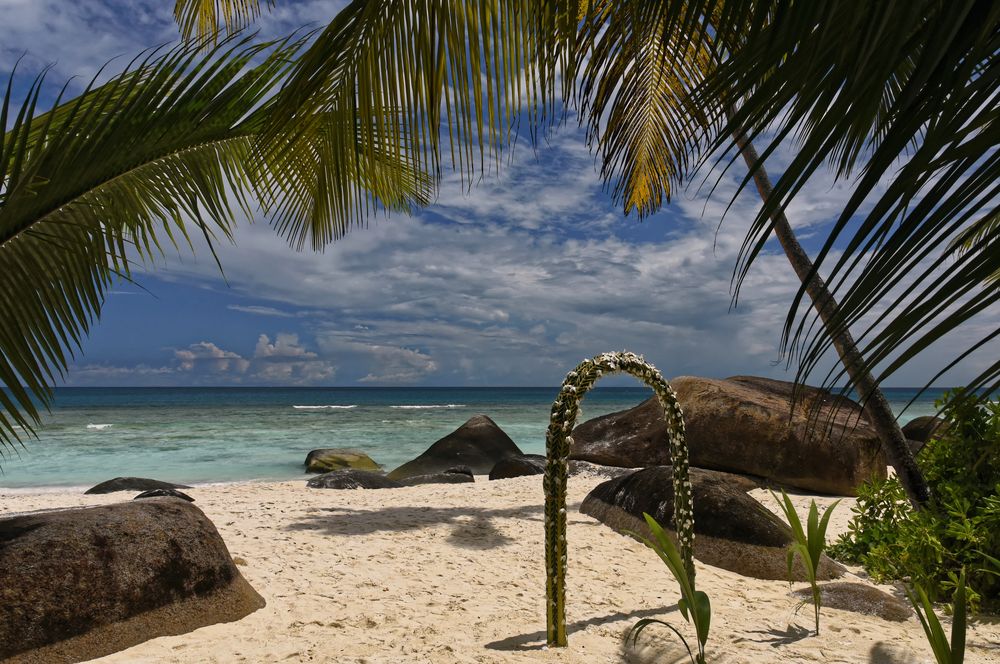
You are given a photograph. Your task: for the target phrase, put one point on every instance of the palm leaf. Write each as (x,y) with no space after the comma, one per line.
(392,77)
(201,18)
(117,175)
(903,92)
(633,95)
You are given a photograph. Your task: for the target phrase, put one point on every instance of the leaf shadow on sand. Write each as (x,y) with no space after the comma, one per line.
(536,640)
(474,527)
(779,637)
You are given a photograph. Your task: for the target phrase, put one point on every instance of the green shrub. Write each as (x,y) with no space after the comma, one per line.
(960,527)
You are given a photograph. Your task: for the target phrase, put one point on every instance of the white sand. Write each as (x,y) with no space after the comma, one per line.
(454,573)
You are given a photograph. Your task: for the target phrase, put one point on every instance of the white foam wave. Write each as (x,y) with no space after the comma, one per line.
(442,405)
(99,427)
(326,407)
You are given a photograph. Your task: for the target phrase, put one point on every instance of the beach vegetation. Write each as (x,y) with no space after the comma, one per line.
(694,605)
(565,410)
(958,533)
(809,543)
(945,651)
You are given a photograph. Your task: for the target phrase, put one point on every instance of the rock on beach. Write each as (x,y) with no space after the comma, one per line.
(132,484)
(478,444)
(732,530)
(81,583)
(746,425)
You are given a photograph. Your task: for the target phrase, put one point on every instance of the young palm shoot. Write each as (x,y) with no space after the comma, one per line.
(809,543)
(945,652)
(694,604)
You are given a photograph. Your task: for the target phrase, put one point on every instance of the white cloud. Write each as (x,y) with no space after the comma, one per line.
(286,361)
(525,277)
(259,311)
(205,356)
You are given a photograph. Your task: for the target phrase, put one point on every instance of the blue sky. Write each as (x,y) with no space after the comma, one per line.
(510,284)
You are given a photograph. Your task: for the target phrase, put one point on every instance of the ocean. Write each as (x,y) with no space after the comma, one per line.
(210,435)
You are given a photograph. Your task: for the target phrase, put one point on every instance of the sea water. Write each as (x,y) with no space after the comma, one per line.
(207,435)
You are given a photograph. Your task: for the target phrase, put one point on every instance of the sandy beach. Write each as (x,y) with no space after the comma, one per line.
(454,573)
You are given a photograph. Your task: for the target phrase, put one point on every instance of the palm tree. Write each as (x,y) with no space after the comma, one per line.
(630,67)
(163,150)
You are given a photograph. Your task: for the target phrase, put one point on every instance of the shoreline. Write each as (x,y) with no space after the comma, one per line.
(454,573)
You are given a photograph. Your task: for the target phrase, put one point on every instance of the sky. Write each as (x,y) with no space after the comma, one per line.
(511,283)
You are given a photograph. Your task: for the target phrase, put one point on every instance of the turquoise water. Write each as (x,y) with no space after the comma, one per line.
(201,435)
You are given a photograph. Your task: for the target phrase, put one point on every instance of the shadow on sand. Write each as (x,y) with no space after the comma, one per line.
(779,637)
(474,527)
(536,640)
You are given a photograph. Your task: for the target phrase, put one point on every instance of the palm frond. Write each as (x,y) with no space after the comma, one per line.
(385,80)
(901,99)
(201,19)
(632,94)
(118,174)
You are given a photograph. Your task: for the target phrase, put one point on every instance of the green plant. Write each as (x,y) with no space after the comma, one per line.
(809,542)
(694,604)
(880,507)
(557,444)
(958,531)
(945,652)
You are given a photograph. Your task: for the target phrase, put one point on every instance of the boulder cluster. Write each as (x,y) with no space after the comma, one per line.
(157,566)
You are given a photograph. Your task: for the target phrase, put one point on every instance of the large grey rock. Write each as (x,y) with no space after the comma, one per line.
(326,460)
(133,484)
(479,444)
(859,598)
(86,582)
(746,425)
(349,478)
(732,530)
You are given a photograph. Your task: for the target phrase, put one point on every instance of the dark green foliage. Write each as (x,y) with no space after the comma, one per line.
(960,528)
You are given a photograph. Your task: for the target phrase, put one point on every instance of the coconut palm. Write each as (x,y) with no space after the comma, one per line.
(161,152)
(630,67)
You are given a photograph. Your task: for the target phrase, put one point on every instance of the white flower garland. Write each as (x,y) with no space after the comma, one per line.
(557,445)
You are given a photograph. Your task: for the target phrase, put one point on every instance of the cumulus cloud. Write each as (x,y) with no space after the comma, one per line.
(205,356)
(285,361)
(489,289)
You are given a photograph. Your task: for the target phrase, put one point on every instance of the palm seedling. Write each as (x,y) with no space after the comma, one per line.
(694,604)
(809,543)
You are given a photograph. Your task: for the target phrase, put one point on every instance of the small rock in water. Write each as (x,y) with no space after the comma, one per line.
(164,493)
(326,460)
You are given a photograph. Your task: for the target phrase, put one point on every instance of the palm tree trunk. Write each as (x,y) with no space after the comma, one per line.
(875,404)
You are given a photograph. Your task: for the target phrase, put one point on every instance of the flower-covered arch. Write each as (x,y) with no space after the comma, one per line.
(557,444)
